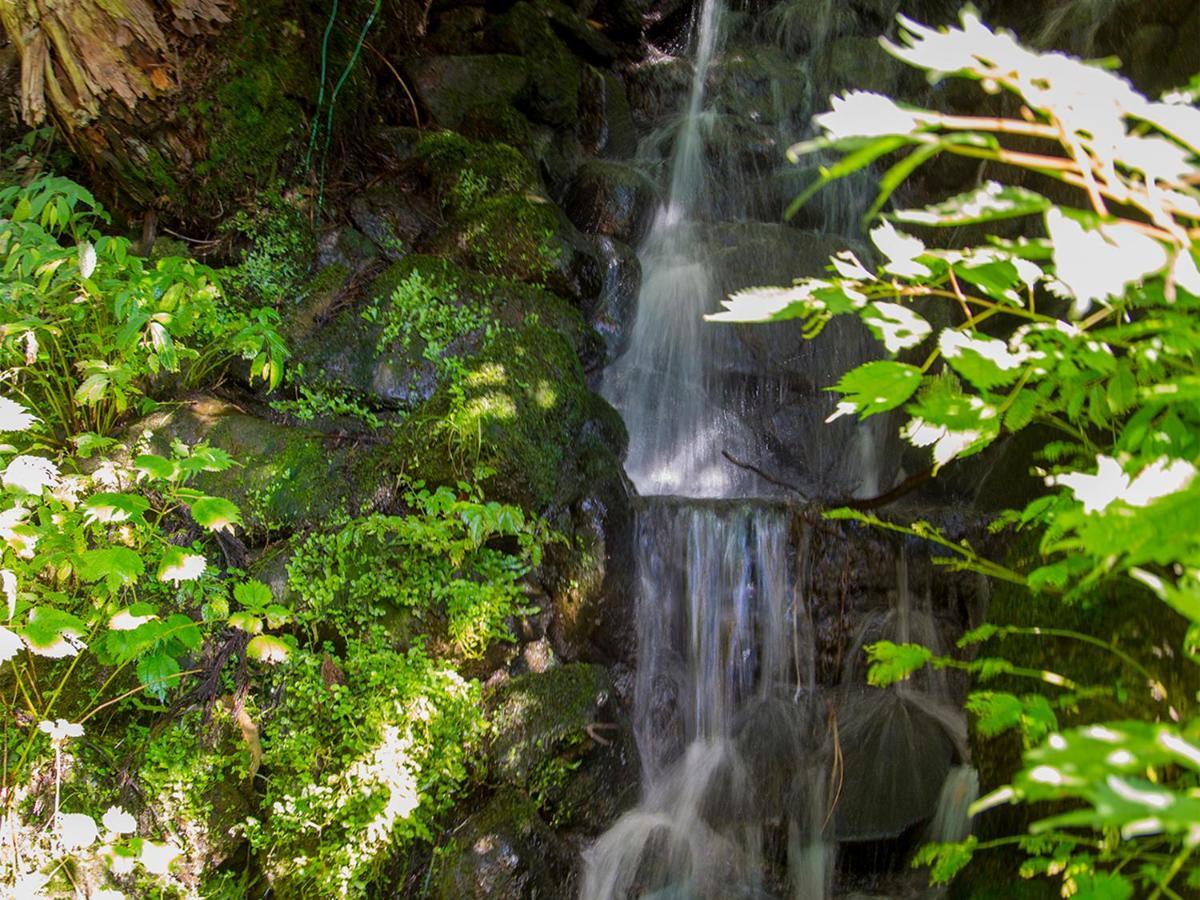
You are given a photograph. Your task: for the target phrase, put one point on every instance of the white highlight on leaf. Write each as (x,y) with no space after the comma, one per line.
(10,644)
(29,887)
(1047,775)
(953,343)
(844,408)
(897,326)
(759,304)
(1185,273)
(77,830)
(127,621)
(8,584)
(87,259)
(846,264)
(1125,790)
(31,474)
(866,114)
(901,251)
(190,567)
(14,416)
(157,858)
(947,444)
(118,821)
(1110,483)
(1095,264)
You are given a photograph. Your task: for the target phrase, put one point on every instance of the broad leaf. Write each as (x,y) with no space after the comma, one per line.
(876,387)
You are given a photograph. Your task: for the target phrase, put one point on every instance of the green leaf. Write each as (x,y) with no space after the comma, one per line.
(946,860)
(267,648)
(989,203)
(983,361)
(53,633)
(216,514)
(253,595)
(110,508)
(177,565)
(876,387)
(114,565)
(247,622)
(156,467)
(92,390)
(890,663)
(156,671)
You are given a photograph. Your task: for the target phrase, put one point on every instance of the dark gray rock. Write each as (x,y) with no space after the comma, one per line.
(610,198)
(455,88)
(613,311)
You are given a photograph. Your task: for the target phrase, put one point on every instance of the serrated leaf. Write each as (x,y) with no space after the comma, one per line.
(253,595)
(985,362)
(898,327)
(110,508)
(177,565)
(945,860)
(53,633)
(989,203)
(268,649)
(156,467)
(890,663)
(113,565)
(878,386)
(216,514)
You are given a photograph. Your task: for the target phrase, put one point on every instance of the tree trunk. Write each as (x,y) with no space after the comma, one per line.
(107,72)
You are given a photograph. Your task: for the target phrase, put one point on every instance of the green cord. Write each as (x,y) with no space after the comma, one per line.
(337,88)
(312,137)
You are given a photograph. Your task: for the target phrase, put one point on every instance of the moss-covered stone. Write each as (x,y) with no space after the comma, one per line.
(464,173)
(514,405)
(538,717)
(503,852)
(285,478)
(551,94)
(455,88)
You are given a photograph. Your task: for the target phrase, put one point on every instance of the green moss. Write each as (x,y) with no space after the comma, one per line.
(512,403)
(512,236)
(539,717)
(255,114)
(464,172)
(551,94)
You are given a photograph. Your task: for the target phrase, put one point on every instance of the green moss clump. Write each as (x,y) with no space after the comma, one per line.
(511,236)
(537,717)
(465,173)
(509,394)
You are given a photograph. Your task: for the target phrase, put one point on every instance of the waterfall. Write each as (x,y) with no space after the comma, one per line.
(744,782)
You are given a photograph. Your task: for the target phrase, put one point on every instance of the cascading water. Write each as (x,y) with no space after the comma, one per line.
(743,778)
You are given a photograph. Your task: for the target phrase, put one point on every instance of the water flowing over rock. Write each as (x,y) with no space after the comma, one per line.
(762,748)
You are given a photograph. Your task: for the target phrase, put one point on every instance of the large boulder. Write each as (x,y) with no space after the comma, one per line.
(285,478)
(610,198)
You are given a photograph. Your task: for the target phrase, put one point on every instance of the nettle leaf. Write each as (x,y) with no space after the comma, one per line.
(989,203)
(53,633)
(985,362)
(876,387)
(998,278)
(253,595)
(113,565)
(110,508)
(898,327)
(268,649)
(216,514)
(247,622)
(156,671)
(890,663)
(156,467)
(945,860)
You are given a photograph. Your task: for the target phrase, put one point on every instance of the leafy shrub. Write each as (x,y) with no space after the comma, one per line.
(1098,312)
(87,328)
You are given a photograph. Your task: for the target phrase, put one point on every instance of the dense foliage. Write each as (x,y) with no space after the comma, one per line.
(1083,320)
(144,676)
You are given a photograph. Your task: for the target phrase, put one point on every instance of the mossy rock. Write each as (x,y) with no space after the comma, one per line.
(517,409)
(285,478)
(610,198)
(464,173)
(539,717)
(454,88)
(503,852)
(551,94)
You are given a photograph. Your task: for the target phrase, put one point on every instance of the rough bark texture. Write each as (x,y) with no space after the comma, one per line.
(107,72)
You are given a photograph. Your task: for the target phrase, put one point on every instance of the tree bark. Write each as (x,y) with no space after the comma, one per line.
(106,72)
